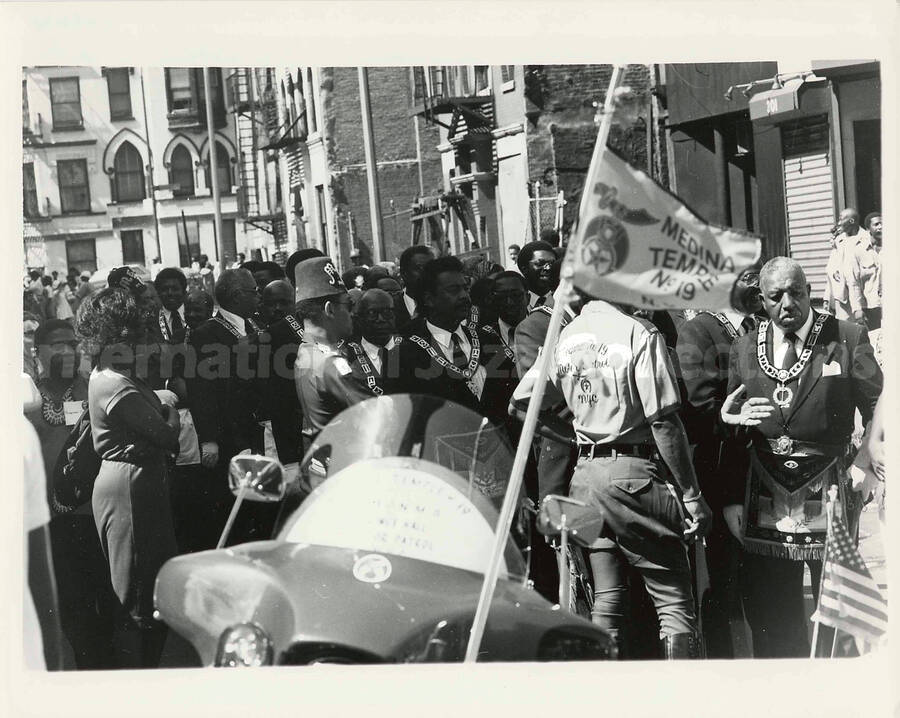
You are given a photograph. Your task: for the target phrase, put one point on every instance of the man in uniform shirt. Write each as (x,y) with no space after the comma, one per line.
(441,356)
(804,375)
(634,466)
(862,267)
(411,262)
(703,349)
(322,374)
(278,353)
(368,358)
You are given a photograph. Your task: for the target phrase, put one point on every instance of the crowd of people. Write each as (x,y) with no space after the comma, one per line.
(725,425)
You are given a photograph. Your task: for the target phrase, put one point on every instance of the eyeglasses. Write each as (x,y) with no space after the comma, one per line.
(541,263)
(373,315)
(513,297)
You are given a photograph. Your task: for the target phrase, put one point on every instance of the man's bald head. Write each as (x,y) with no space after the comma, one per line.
(277,299)
(785,293)
(849,221)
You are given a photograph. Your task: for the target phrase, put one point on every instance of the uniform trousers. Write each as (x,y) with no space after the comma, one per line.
(644,523)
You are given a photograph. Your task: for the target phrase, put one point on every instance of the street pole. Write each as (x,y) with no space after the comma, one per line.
(150,162)
(371,168)
(213,170)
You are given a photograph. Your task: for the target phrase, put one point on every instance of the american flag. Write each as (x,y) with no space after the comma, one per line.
(850,600)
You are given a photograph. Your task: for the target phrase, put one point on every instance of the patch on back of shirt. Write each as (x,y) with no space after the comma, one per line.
(342,366)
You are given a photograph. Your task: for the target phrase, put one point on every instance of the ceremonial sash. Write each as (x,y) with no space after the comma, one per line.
(367,368)
(469,372)
(726,324)
(784,508)
(506,350)
(295,325)
(228,325)
(783,394)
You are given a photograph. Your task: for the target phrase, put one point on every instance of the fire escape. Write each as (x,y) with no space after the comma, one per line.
(466,111)
(255,117)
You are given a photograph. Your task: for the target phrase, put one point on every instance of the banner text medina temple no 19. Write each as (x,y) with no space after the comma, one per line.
(640,245)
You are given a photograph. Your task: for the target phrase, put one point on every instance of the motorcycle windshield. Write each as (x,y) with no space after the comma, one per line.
(409,475)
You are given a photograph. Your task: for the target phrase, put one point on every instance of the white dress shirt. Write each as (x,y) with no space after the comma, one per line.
(234,320)
(410,304)
(781,345)
(504,330)
(734,318)
(167,315)
(442,337)
(372,351)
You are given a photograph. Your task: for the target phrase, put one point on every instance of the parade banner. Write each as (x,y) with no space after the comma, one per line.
(638,244)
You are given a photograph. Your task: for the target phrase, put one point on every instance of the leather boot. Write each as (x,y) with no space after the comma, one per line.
(680,645)
(617,637)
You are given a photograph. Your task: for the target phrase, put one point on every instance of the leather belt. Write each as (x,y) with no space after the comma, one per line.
(785,446)
(596,451)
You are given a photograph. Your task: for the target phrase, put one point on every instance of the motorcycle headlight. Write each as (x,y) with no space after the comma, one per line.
(559,645)
(244,645)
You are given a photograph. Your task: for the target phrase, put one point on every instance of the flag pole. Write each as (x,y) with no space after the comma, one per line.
(829,517)
(510,500)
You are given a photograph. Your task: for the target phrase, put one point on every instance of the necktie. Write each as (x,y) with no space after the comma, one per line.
(540,301)
(790,356)
(511,335)
(748,324)
(459,356)
(250,327)
(382,360)
(177,328)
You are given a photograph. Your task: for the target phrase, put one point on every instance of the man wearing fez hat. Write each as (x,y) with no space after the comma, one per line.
(279,395)
(323,376)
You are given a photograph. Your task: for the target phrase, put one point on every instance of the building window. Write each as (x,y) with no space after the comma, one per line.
(180,91)
(133,246)
(65,103)
(29,191)
(229,241)
(81,254)
(74,192)
(223,169)
(188,241)
(128,177)
(181,172)
(482,79)
(323,219)
(310,89)
(508,76)
(119,86)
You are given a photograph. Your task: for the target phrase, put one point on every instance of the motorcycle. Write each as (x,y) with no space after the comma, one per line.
(378,556)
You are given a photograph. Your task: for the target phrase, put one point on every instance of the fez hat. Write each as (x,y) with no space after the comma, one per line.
(126,278)
(317,277)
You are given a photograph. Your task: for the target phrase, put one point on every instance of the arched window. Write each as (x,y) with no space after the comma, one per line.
(223,169)
(181,172)
(129,174)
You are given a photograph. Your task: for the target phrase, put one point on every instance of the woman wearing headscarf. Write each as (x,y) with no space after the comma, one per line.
(132,433)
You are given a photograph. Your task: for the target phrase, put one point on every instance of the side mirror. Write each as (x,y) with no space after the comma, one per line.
(583,523)
(259,478)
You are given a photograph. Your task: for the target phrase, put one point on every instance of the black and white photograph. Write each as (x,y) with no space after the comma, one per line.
(373,363)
